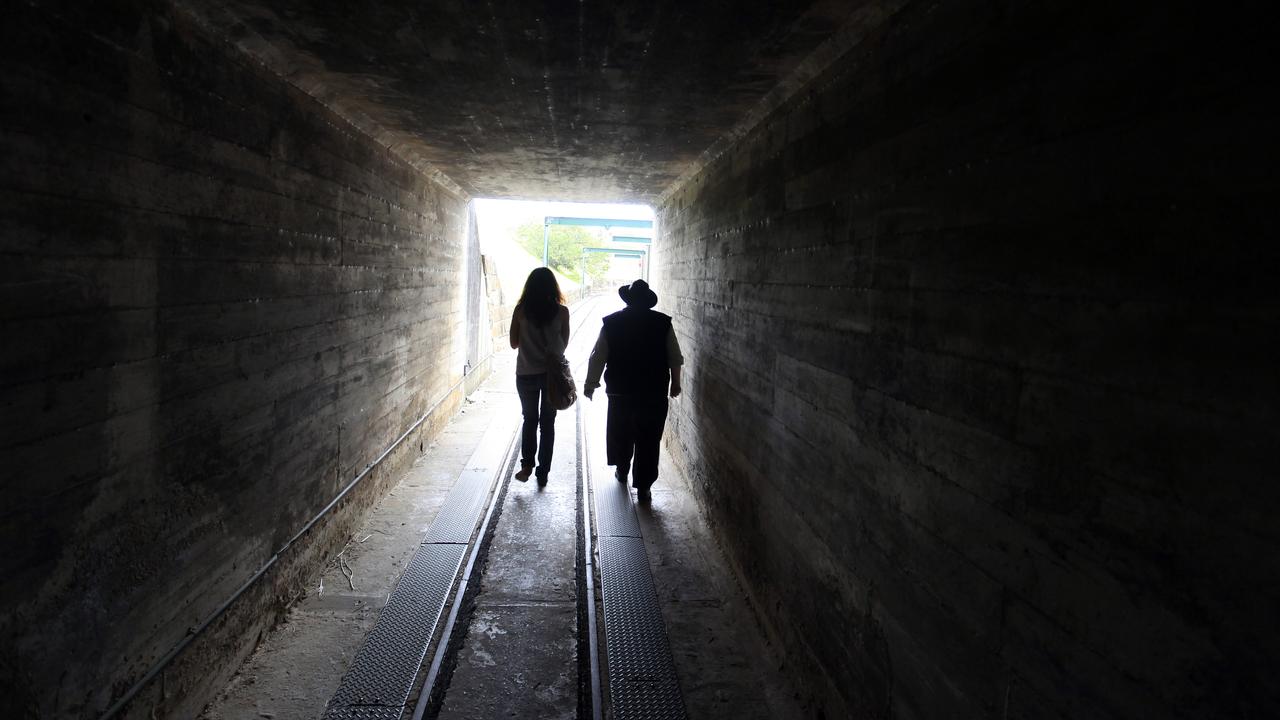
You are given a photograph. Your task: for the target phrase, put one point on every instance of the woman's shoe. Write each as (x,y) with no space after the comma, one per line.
(524,472)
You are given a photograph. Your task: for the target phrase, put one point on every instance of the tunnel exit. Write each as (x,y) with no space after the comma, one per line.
(590,246)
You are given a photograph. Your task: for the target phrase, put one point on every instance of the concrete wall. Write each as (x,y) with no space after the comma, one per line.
(221,303)
(980,330)
(479,319)
(497,302)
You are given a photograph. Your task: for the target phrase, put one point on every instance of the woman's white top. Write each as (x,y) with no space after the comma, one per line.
(538,345)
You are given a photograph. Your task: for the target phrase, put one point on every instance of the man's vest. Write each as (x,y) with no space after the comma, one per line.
(637,362)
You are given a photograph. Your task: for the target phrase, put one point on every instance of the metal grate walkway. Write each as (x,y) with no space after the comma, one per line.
(381,676)
(642,676)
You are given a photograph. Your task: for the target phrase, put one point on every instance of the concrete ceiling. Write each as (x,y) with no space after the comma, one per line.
(587,100)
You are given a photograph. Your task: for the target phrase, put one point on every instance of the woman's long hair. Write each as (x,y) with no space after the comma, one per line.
(541,297)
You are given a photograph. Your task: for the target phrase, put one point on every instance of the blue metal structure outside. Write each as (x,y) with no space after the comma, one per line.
(549,220)
(597,222)
(617,252)
(632,239)
(641,255)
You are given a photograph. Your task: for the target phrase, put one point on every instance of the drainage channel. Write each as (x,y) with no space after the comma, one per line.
(590,696)
(380,680)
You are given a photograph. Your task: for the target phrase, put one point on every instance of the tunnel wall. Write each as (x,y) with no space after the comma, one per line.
(981,389)
(221,304)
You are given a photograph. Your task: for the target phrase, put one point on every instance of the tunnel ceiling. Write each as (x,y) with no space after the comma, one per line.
(584,100)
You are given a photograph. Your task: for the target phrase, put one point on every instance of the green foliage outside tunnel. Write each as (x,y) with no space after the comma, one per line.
(564,250)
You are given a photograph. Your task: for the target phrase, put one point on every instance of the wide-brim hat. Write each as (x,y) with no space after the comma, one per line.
(638,294)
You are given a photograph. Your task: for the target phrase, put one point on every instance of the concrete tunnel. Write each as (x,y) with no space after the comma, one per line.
(977,305)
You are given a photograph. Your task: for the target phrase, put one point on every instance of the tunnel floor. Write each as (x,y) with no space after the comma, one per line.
(519,640)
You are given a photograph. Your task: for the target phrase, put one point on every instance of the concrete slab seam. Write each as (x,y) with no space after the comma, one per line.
(592,696)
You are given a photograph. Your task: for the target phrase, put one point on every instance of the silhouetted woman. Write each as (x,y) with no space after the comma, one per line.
(540,331)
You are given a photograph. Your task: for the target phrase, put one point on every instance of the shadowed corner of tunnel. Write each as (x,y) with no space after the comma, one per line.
(17,698)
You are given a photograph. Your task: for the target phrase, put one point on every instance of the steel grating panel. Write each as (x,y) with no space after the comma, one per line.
(462,508)
(382,673)
(365,713)
(614,515)
(642,676)
(645,700)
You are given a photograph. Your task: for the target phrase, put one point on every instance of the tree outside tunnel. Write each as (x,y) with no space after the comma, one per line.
(564,249)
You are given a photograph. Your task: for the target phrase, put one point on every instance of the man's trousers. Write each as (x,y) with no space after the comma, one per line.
(634,432)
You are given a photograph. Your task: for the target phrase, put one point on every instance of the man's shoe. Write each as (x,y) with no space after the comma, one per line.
(620,476)
(524,472)
(542,481)
(643,495)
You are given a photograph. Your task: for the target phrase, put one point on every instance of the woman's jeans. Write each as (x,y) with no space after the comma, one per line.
(532,390)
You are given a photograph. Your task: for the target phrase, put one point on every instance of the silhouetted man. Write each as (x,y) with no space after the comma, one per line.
(641,359)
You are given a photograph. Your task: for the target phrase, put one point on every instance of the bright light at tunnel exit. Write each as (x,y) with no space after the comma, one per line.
(609,255)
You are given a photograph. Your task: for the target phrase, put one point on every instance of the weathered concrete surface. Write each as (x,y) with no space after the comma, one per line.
(573,101)
(519,661)
(980,385)
(221,302)
(298,666)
